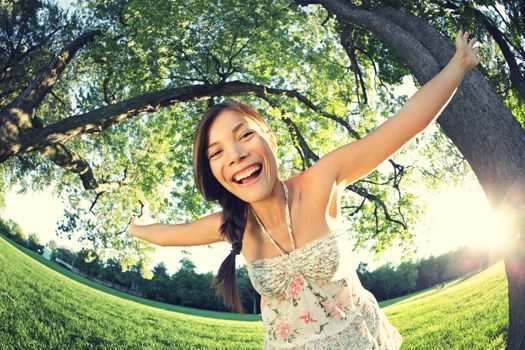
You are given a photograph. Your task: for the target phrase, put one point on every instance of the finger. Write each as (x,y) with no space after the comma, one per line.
(476,54)
(472,42)
(465,37)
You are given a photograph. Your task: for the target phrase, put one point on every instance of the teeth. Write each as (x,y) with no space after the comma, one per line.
(247,173)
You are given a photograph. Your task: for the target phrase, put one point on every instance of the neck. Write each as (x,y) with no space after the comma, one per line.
(271,210)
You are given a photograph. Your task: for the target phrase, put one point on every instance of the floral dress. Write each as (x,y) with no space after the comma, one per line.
(311,298)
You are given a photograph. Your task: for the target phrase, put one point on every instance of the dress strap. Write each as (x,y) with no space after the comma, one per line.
(288,222)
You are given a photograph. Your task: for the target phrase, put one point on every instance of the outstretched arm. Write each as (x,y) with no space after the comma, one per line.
(199,232)
(355,160)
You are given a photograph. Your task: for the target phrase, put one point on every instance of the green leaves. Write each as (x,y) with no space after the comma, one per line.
(150,46)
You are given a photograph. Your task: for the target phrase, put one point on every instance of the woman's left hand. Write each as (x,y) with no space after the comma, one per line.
(465,50)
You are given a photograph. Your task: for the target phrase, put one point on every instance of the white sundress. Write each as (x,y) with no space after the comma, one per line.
(311,298)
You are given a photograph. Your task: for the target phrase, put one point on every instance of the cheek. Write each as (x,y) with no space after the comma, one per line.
(215,171)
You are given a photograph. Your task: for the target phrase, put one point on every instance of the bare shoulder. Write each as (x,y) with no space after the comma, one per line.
(294,186)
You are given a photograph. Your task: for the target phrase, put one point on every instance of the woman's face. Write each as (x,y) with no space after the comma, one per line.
(238,148)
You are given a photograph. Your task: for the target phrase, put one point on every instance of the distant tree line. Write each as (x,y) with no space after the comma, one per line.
(13,231)
(188,288)
(185,287)
(390,281)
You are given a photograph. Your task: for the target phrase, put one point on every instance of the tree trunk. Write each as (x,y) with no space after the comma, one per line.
(515,269)
(484,131)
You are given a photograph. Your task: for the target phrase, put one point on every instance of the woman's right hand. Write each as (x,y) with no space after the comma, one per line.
(134,223)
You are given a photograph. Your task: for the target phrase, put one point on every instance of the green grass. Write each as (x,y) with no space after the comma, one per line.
(468,313)
(44,306)
(169,307)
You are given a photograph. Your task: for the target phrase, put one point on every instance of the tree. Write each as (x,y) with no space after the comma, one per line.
(428,274)
(495,157)
(385,282)
(4,228)
(82,105)
(111,270)
(450,266)
(65,255)
(406,278)
(88,261)
(248,295)
(199,69)
(157,288)
(33,243)
(52,245)
(184,282)
(13,231)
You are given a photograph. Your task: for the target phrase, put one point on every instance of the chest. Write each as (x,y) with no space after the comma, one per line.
(321,262)
(313,215)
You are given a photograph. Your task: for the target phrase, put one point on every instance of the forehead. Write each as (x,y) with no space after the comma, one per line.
(225,122)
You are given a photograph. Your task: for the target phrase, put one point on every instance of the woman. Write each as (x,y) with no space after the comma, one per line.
(298,255)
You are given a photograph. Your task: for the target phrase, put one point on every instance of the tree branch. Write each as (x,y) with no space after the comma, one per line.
(100,119)
(44,82)
(348,45)
(300,143)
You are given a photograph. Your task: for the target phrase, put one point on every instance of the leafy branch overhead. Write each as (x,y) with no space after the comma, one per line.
(116,107)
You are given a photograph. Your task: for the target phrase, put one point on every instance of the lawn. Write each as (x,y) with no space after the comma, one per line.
(44,306)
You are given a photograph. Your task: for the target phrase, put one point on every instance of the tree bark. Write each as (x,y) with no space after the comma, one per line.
(515,268)
(485,132)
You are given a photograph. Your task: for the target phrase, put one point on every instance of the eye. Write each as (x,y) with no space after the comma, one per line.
(246,134)
(214,154)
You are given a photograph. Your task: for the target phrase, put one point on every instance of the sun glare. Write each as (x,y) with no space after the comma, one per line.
(491,230)
(460,217)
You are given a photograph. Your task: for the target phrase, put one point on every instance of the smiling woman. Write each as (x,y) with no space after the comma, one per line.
(311,296)
(317,299)
(241,152)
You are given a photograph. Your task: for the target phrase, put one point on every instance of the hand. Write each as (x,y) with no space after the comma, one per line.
(465,50)
(143,219)
(133,226)
(135,223)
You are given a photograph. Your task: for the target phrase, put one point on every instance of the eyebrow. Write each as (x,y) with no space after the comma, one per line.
(233,132)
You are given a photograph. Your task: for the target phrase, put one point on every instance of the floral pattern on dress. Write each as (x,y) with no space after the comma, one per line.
(307,317)
(284,329)
(334,308)
(312,298)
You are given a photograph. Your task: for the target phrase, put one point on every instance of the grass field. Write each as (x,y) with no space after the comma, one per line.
(43,306)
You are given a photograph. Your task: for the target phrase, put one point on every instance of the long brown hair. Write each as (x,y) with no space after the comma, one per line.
(234,210)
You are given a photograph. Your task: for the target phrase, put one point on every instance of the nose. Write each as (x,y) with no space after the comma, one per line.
(237,153)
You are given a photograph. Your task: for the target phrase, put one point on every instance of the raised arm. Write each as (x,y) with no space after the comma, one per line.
(199,232)
(355,160)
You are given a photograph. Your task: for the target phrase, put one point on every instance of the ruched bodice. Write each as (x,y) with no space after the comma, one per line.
(318,261)
(311,298)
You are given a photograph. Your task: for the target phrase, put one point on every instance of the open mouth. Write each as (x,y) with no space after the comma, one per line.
(251,177)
